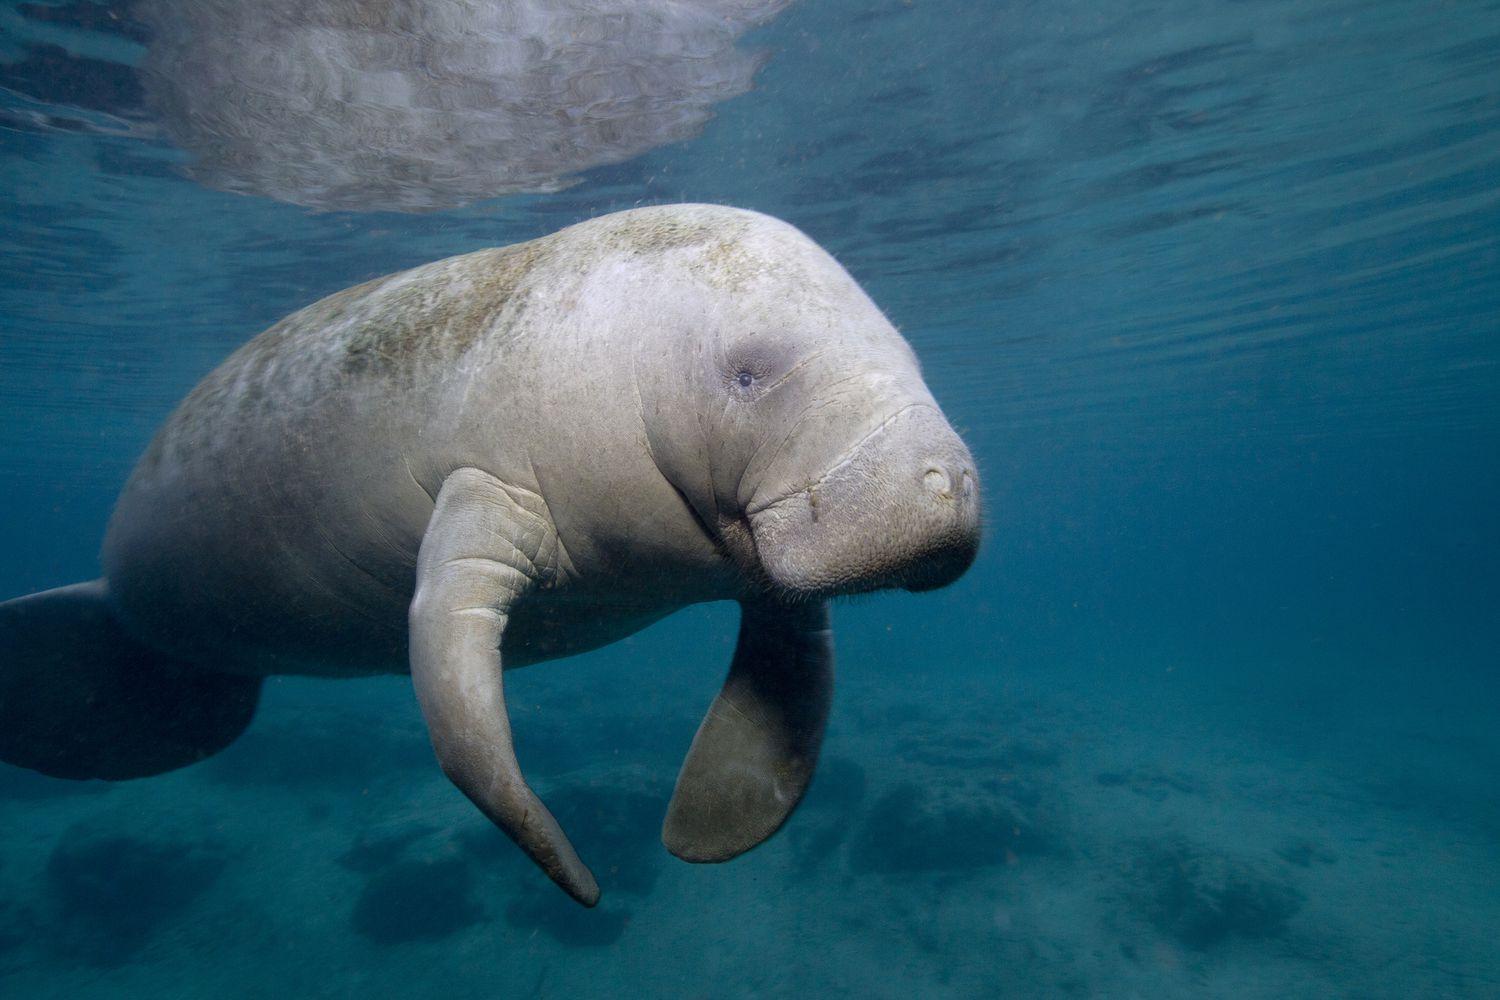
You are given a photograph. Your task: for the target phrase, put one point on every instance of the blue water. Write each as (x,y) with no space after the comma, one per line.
(1212,292)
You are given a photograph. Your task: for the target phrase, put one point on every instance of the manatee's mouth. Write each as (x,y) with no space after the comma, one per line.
(899,509)
(893,563)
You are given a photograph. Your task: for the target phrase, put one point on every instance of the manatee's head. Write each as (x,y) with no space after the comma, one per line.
(792,417)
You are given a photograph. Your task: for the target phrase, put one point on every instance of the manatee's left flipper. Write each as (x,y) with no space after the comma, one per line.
(754,754)
(486,547)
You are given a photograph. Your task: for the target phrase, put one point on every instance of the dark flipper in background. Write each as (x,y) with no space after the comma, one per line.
(754,755)
(81,699)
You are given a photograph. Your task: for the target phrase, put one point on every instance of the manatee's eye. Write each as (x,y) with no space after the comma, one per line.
(748,370)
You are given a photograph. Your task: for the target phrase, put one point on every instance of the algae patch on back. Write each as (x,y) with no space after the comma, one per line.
(655,232)
(723,259)
(433,315)
(390,329)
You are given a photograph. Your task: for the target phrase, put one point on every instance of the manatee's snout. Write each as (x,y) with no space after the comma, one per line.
(900,509)
(951,489)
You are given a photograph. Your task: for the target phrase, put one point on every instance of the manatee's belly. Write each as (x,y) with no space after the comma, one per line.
(297,574)
(269,590)
(335,620)
(553,625)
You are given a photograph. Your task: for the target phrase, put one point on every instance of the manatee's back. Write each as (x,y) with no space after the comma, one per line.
(275,518)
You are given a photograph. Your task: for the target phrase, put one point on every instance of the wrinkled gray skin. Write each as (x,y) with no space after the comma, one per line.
(542,449)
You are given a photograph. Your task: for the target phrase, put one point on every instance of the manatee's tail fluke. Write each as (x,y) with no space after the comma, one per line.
(79,698)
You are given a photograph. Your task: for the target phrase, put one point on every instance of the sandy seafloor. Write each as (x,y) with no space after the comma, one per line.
(1030,833)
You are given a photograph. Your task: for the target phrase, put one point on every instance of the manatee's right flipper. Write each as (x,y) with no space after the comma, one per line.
(81,699)
(485,547)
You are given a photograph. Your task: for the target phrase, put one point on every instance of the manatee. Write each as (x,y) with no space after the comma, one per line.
(502,458)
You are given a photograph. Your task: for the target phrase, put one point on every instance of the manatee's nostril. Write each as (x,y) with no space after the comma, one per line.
(937,481)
